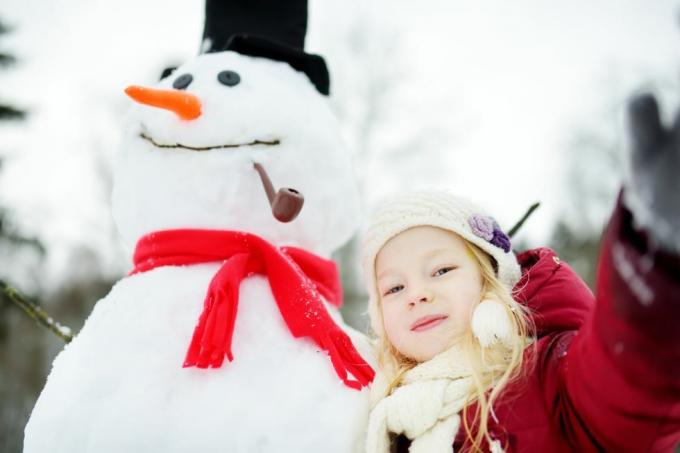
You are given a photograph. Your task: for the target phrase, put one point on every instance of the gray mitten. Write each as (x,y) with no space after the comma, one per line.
(653,189)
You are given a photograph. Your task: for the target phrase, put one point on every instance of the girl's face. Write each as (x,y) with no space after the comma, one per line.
(428,283)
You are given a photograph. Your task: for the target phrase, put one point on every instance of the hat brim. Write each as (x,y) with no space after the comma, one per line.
(314,66)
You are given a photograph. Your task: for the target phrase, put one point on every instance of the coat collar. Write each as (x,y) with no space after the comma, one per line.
(558,298)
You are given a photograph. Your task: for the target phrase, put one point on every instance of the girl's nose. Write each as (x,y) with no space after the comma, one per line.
(422,296)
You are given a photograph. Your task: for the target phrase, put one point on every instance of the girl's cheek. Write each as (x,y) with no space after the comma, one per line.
(394,335)
(391,318)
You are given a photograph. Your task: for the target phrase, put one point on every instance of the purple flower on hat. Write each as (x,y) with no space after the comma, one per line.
(488,229)
(482,226)
(500,239)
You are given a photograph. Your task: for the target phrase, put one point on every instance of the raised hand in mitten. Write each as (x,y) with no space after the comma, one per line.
(653,190)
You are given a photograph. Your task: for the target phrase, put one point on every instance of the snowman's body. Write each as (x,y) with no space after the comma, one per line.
(120,385)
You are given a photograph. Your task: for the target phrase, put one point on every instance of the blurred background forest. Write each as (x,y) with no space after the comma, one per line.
(506,102)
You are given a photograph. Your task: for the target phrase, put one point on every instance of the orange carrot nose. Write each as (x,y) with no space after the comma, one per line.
(184,104)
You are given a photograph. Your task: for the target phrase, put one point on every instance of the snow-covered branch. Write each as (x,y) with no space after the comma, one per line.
(33,310)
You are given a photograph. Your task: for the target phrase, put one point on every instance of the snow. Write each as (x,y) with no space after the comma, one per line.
(172,188)
(64,330)
(120,384)
(514,95)
(625,267)
(639,198)
(496,82)
(619,348)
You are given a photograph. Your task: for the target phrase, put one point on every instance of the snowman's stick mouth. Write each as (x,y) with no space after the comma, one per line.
(208,148)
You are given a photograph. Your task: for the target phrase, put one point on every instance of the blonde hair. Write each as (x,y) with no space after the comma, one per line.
(492,368)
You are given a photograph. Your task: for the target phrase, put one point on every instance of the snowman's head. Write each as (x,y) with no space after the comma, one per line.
(188,156)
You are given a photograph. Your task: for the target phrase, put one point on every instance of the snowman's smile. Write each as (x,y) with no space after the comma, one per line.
(208,148)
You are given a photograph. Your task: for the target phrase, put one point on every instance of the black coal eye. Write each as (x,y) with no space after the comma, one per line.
(167,71)
(229,78)
(182,81)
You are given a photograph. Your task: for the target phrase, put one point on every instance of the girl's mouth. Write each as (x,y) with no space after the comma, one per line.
(427,322)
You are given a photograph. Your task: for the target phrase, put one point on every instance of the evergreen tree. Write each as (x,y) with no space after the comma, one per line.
(10,113)
(13,348)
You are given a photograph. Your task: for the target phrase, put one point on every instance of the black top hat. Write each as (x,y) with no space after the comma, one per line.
(273,29)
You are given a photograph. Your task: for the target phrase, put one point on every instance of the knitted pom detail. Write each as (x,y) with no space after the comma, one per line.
(491,323)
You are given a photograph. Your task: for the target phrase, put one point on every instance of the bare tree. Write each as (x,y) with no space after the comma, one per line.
(594,170)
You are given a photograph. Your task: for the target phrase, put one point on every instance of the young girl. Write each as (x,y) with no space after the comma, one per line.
(483,350)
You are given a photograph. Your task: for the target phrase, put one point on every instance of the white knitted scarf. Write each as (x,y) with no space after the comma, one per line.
(425,407)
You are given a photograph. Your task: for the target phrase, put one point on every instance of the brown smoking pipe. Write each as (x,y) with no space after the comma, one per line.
(286,204)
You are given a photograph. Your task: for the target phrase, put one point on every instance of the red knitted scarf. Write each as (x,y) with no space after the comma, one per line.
(298,280)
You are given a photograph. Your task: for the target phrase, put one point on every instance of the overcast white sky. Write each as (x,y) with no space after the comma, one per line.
(502,83)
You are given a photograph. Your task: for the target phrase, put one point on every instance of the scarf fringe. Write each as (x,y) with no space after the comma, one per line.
(346,359)
(299,281)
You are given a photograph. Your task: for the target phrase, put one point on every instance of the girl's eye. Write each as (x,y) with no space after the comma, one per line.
(394,289)
(443,271)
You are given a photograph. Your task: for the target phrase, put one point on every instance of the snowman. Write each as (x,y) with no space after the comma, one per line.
(225,336)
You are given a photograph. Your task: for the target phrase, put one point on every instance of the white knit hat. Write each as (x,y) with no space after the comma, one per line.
(440,209)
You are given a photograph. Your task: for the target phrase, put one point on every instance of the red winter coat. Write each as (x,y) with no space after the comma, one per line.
(606,369)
